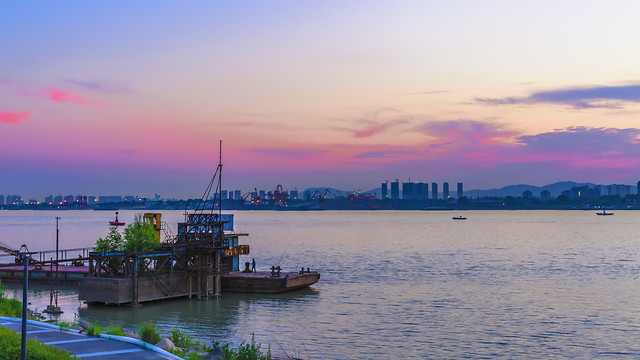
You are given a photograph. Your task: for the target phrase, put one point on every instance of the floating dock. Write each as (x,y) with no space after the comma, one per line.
(43,274)
(266,282)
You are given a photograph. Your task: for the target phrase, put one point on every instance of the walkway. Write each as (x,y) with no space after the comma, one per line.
(83,346)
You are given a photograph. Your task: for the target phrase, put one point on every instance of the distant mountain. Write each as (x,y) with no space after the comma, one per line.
(516,190)
(512,190)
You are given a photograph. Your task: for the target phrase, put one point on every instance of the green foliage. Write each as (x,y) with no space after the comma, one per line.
(10,307)
(192,356)
(113,242)
(180,339)
(140,236)
(246,351)
(10,348)
(115,330)
(148,333)
(94,330)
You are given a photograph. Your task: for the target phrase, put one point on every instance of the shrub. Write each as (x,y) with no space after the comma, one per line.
(115,330)
(148,333)
(94,330)
(246,351)
(180,339)
(10,343)
(10,307)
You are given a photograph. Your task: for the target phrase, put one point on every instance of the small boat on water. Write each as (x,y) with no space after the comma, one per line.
(459,218)
(604,213)
(116,222)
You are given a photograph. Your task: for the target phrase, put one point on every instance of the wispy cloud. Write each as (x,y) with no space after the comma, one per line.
(467,132)
(375,127)
(13,117)
(580,98)
(297,153)
(54,94)
(388,154)
(426,93)
(100,86)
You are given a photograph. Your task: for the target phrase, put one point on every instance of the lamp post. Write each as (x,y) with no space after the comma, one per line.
(25,285)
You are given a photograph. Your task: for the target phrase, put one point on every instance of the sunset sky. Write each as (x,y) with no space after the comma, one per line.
(132,97)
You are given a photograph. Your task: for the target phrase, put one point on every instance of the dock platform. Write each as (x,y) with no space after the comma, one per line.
(66,273)
(267,282)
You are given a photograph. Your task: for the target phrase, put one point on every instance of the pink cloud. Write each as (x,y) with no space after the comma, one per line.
(13,117)
(377,127)
(57,95)
(61,96)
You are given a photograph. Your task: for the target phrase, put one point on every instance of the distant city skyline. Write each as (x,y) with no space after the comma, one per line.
(311,94)
(387,190)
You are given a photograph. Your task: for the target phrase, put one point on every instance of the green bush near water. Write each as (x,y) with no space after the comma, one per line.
(94,330)
(246,351)
(148,333)
(115,330)
(10,343)
(9,307)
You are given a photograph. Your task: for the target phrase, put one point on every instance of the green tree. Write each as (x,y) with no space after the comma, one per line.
(140,236)
(113,242)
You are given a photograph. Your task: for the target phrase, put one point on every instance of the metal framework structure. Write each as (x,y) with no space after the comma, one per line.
(196,253)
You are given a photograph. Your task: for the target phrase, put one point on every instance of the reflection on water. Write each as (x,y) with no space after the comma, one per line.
(404,284)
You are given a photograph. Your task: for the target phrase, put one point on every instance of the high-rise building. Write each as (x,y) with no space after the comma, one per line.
(434,191)
(1,200)
(407,190)
(384,191)
(445,190)
(460,192)
(237,194)
(294,195)
(421,190)
(395,190)
(638,188)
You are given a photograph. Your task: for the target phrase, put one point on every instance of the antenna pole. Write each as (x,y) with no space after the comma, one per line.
(220,184)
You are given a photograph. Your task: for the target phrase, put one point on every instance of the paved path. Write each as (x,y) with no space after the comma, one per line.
(83,346)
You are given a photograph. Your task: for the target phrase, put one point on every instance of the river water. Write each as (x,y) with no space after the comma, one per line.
(399,284)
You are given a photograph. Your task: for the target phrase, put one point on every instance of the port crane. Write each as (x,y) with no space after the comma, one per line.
(19,258)
(279,196)
(321,194)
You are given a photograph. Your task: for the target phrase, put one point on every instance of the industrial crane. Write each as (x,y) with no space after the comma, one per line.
(321,194)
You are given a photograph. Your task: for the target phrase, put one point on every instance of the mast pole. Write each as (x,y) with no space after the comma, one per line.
(220,183)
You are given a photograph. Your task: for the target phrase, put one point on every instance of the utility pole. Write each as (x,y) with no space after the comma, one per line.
(54,309)
(57,238)
(25,286)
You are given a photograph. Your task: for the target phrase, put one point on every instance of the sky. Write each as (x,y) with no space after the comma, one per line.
(132,97)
